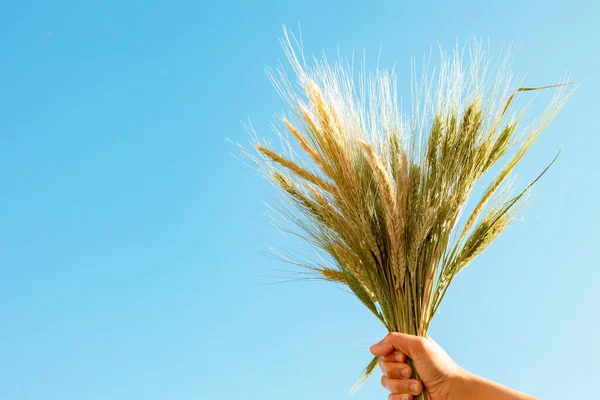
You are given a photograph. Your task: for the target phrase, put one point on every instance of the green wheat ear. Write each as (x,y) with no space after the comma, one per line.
(380,195)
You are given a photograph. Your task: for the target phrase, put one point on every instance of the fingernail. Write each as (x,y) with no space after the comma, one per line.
(399,357)
(413,387)
(405,373)
(405,397)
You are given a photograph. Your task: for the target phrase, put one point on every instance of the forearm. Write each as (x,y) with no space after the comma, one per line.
(472,387)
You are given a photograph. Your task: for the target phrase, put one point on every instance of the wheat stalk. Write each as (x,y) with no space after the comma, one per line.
(382,195)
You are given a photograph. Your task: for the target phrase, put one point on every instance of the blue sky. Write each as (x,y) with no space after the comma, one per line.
(131,240)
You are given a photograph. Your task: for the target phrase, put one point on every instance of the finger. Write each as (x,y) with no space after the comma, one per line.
(410,345)
(395,370)
(402,386)
(396,356)
(400,397)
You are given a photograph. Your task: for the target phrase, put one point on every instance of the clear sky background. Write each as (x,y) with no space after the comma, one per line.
(131,240)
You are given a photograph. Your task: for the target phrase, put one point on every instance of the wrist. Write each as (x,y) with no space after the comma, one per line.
(463,386)
(470,386)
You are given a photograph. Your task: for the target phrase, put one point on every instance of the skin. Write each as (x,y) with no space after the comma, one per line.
(442,377)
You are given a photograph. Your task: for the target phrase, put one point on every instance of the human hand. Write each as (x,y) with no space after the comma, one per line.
(438,373)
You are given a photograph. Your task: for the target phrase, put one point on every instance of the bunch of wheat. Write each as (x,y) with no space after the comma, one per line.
(381,195)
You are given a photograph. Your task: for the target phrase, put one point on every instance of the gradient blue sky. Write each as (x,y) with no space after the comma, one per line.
(130,239)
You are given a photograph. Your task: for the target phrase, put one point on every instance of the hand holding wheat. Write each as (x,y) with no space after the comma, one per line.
(442,377)
(436,369)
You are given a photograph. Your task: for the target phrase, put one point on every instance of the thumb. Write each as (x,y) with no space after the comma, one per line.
(410,345)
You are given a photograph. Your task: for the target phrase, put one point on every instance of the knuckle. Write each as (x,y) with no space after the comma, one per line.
(398,386)
(395,371)
(421,344)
